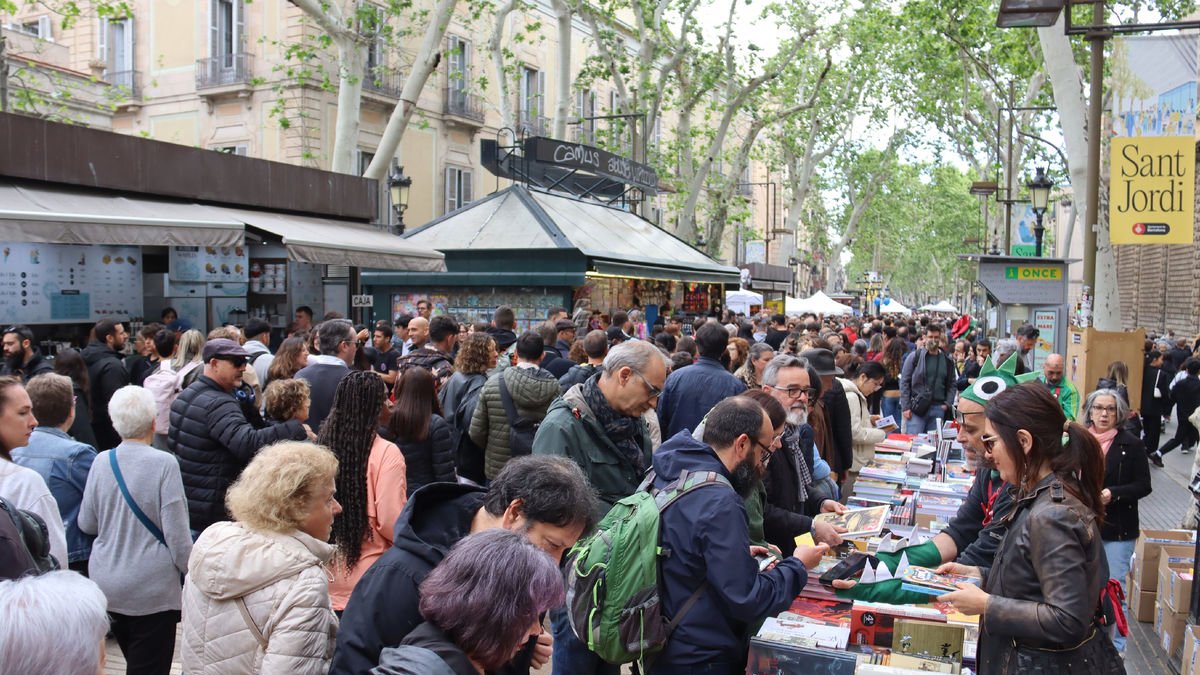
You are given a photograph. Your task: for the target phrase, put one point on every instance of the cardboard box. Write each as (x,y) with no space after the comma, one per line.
(1145,567)
(1169,626)
(1141,603)
(1191,651)
(1174,585)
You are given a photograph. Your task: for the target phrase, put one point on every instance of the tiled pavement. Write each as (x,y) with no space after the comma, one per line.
(1163,509)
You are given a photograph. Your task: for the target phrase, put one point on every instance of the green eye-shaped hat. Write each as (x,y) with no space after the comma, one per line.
(993,380)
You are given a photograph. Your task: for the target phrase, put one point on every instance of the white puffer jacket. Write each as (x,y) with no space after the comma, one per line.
(285,590)
(863,432)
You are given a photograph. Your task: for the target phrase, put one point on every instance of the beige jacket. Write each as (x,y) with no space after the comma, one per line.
(285,590)
(863,432)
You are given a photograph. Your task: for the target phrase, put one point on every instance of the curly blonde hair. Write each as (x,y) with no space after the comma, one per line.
(283,398)
(275,492)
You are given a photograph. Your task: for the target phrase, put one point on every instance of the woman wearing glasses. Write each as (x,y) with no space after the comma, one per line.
(1126,480)
(1039,598)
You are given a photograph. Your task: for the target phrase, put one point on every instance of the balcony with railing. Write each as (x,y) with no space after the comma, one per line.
(464,106)
(583,134)
(383,82)
(228,72)
(126,84)
(529,124)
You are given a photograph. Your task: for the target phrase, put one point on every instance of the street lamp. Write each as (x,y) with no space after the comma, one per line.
(398,187)
(1039,194)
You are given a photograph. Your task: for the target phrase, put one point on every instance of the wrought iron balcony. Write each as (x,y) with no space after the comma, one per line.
(126,83)
(227,70)
(463,104)
(529,124)
(382,81)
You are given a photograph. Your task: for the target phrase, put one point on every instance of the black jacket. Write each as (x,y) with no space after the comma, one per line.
(504,337)
(107,374)
(975,541)
(1155,379)
(555,363)
(784,514)
(775,338)
(430,460)
(425,651)
(384,607)
(1186,395)
(82,430)
(36,365)
(214,442)
(837,417)
(1127,477)
(578,375)
(706,534)
(970,372)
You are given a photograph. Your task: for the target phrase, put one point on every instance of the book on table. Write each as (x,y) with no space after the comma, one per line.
(925,580)
(858,522)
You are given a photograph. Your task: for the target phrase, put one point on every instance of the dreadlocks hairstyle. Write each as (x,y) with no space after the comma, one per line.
(349,432)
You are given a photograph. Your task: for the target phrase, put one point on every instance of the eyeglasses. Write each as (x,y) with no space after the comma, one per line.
(1106,409)
(655,392)
(796,392)
(989,442)
(960,417)
(764,455)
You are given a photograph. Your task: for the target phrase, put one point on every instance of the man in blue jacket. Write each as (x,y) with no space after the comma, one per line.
(709,543)
(691,392)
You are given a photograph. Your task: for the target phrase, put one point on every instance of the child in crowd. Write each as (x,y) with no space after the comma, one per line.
(287,400)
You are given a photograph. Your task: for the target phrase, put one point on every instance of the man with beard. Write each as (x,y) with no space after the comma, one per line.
(789,476)
(21,356)
(711,568)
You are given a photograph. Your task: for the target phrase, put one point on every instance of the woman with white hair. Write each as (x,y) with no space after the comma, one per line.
(134,504)
(54,624)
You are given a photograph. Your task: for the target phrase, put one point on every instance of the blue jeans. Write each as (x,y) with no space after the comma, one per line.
(927,422)
(571,656)
(1119,554)
(889,405)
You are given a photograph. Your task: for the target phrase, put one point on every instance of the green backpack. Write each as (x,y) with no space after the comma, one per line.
(612,576)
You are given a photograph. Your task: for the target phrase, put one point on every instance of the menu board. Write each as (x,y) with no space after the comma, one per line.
(52,283)
(209,263)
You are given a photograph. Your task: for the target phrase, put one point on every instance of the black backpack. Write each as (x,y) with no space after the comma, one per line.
(24,543)
(521,430)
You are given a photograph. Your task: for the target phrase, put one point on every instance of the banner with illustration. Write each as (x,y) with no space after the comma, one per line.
(1151,191)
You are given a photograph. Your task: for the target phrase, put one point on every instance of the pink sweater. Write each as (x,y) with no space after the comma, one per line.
(386,490)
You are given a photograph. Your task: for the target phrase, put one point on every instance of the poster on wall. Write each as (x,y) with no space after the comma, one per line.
(1046,321)
(468,304)
(209,263)
(53,283)
(1151,194)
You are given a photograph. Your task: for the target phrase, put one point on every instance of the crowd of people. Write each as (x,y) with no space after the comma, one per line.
(398,497)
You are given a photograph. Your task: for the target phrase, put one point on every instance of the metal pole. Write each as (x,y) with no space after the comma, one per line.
(1096,38)
(1008,184)
(3,76)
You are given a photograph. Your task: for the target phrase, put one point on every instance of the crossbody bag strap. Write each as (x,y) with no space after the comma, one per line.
(137,511)
(245,612)
(507,402)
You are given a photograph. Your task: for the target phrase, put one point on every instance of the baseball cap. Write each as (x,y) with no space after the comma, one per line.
(615,334)
(223,348)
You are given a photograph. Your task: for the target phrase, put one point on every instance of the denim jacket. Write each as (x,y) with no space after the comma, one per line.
(64,463)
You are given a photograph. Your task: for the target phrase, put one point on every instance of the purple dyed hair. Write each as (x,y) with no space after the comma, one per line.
(488,591)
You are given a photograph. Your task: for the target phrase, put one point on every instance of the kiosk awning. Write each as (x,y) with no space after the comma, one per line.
(329,241)
(45,214)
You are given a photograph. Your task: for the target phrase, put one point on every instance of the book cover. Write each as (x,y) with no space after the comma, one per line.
(858,522)
(926,639)
(925,580)
(827,612)
(872,623)
(770,658)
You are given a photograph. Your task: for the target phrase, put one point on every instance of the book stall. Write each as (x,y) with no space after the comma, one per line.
(903,498)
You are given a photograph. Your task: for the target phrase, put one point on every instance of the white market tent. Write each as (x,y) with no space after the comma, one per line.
(740,301)
(817,303)
(893,306)
(944,306)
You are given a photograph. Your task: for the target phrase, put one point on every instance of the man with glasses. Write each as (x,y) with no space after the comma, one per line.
(791,493)
(21,355)
(210,435)
(602,424)
(1060,387)
(338,343)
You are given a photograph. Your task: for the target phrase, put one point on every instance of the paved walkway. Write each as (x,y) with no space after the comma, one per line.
(1163,510)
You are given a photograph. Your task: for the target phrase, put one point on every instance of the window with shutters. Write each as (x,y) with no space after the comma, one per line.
(227,28)
(364,158)
(530,103)
(585,110)
(371,26)
(458,188)
(458,67)
(41,27)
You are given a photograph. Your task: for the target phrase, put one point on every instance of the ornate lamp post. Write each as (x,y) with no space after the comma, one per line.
(1039,194)
(398,187)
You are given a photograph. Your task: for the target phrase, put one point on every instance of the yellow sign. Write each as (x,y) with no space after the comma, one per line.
(1152,189)
(1027,273)
(775,306)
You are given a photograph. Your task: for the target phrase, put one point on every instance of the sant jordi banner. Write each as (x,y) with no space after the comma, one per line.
(1152,182)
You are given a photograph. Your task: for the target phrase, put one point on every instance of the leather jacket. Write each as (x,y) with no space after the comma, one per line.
(1046,579)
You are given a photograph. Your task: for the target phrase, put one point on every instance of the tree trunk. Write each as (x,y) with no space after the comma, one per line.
(562,108)
(352,57)
(424,65)
(508,118)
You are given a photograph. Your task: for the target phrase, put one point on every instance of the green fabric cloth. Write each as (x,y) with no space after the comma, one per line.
(935,376)
(923,555)
(1067,395)
(755,504)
